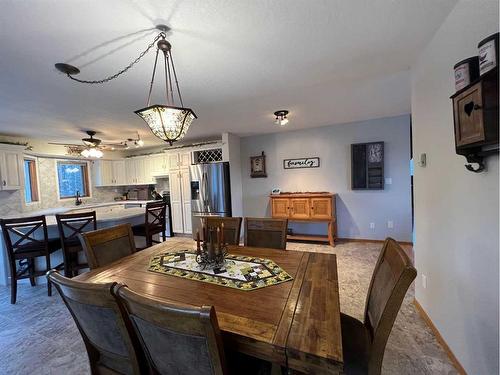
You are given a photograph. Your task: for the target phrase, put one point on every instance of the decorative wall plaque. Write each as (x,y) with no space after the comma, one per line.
(258,166)
(301,163)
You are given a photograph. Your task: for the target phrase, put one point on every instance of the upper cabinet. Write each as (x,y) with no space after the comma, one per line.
(10,170)
(179,160)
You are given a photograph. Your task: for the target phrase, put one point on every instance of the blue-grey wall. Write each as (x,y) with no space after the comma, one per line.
(355,209)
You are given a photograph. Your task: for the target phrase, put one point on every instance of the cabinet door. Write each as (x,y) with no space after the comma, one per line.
(176,202)
(280,207)
(148,164)
(185,159)
(130,173)
(469,126)
(119,174)
(299,208)
(186,198)
(106,172)
(10,165)
(173,161)
(321,208)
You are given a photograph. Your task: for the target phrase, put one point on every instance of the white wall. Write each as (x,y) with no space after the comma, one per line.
(355,209)
(456,211)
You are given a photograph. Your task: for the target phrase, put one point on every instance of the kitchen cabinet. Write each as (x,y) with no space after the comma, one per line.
(119,172)
(10,170)
(109,173)
(307,207)
(180,199)
(179,160)
(136,171)
(159,165)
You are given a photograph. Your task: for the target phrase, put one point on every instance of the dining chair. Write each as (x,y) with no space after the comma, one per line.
(363,343)
(232,227)
(104,246)
(265,232)
(154,223)
(111,346)
(25,240)
(175,339)
(70,225)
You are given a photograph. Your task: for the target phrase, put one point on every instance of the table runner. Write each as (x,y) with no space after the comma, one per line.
(239,272)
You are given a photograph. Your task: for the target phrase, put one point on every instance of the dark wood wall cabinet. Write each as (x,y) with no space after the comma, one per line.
(367,166)
(475,114)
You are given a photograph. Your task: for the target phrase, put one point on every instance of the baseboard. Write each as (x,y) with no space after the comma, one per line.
(439,338)
(369,240)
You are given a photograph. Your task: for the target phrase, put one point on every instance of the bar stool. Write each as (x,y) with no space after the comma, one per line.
(70,225)
(26,239)
(154,222)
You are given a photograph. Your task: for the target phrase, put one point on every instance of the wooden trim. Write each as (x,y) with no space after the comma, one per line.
(439,338)
(33,177)
(370,241)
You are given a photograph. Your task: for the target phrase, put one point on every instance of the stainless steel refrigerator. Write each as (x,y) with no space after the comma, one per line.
(210,192)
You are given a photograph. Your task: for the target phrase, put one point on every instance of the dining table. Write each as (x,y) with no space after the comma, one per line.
(294,324)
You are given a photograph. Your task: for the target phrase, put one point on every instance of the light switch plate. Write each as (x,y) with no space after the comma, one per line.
(388,181)
(390,224)
(372,225)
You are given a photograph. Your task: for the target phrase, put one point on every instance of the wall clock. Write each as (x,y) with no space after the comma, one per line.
(258,166)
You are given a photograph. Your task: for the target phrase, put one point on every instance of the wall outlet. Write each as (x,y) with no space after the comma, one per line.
(424,281)
(390,224)
(372,225)
(388,181)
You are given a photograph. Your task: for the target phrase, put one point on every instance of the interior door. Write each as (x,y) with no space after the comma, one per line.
(299,208)
(321,208)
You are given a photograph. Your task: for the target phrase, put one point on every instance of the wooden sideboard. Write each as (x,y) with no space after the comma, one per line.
(310,207)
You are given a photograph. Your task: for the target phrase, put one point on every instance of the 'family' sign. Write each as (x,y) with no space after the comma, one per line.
(301,163)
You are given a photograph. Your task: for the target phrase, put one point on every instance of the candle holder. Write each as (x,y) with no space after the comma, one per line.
(211,253)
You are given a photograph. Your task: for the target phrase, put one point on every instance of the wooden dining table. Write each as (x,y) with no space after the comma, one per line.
(295,324)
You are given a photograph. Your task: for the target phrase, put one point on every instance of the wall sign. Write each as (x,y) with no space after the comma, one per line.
(301,163)
(258,166)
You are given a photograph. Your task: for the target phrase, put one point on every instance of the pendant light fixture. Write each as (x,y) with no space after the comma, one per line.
(281,117)
(168,122)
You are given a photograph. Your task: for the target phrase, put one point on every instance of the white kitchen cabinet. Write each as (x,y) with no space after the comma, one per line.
(119,172)
(10,170)
(178,160)
(130,173)
(159,165)
(180,200)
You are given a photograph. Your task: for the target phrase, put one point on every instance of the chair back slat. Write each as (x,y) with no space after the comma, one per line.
(101,324)
(104,246)
(176,339)
(155,216)
(392,276)
(70,225)
(265,232)
(232,227)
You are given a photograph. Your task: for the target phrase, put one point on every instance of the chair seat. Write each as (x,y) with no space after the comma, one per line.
(32,249)
(139,230)
(356,345)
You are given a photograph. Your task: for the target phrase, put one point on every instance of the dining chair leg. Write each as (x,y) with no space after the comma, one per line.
(13,282)
(49,284)
(31,265)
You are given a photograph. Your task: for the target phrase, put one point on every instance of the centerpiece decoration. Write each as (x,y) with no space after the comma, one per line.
(211,253)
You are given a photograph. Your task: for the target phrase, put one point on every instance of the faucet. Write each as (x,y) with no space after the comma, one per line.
(78,199)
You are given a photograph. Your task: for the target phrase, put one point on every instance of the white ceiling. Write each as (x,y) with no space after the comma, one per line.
(327,62)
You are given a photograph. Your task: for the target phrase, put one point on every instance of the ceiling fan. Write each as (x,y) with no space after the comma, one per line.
(92,147)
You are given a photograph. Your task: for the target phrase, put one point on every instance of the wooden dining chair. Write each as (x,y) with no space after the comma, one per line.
(27,239)
(111,345)
(265,232)
(70,225)
(154,223)
(232,227)
(175,339)
(104,246)
(363,343)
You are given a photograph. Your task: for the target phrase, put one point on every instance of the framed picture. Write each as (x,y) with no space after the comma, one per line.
(258,166)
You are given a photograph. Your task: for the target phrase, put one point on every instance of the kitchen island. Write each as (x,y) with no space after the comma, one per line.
(107,214)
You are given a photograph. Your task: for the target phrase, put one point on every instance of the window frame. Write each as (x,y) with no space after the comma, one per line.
(86,179)
(34,180)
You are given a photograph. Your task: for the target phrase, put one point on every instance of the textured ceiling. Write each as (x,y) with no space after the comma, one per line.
(328,62)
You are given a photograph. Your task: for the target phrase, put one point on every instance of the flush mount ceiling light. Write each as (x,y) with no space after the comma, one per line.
(92,152)
(168,122)
(281,117)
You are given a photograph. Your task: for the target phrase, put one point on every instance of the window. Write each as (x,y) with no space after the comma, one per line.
(72,178)
(30,181)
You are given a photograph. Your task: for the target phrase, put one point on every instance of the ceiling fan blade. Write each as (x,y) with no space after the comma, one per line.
(65,144)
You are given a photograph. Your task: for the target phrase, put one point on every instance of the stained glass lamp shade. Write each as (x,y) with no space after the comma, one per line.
(167,122)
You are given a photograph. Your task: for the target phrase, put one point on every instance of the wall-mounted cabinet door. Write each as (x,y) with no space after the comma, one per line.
(299,208)
(280,207)
(130,166)
(321,208)
(149,165)
(119,172)
(10,166)
(185,159)
(159,165)
(173,162)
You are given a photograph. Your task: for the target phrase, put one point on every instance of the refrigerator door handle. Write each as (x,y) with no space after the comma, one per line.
(205,188)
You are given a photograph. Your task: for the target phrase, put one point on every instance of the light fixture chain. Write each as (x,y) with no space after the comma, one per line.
(107,79)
